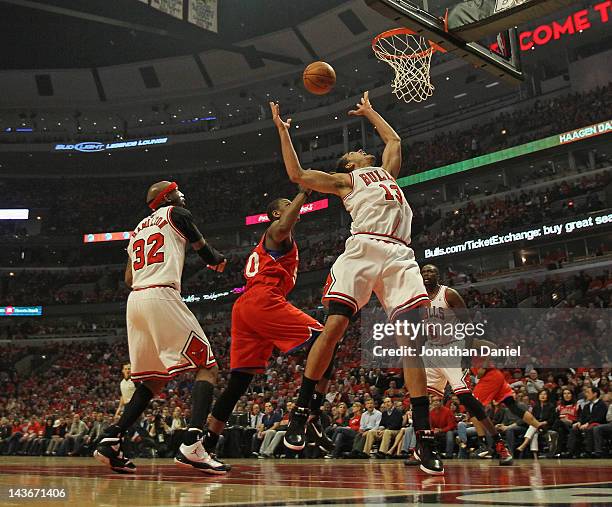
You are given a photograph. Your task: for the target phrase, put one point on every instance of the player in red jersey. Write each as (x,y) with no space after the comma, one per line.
(263,319)
(492,387)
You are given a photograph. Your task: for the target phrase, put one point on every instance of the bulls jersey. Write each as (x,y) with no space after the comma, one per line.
(157,247)
(377,205)
(262,267)
(440,312)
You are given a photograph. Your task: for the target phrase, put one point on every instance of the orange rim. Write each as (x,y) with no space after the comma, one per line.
(433,47)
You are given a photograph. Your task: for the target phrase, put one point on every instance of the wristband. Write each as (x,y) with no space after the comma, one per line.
(210,255)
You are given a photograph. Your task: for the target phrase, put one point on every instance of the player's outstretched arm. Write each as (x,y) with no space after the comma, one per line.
(281,229)
(214,259)
(392,155)
(337,184)
(183,220)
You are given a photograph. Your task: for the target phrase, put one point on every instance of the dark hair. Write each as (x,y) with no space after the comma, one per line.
(341,164)
(273,206)
(563,401)
(595,390)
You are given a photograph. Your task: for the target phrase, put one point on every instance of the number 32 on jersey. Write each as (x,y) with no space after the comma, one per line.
(152,246)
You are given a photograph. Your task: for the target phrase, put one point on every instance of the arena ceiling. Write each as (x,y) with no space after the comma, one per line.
(44,34)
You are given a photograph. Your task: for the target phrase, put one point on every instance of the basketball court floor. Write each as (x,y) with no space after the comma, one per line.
(311,482)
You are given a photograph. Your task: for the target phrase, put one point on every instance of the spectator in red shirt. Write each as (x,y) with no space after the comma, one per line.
(443,424)
(567,412)
(34,430)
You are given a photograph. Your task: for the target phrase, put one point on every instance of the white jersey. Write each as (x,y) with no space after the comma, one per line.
(157,251)
(127,388)
(441,313)
(378,206)
(444,369)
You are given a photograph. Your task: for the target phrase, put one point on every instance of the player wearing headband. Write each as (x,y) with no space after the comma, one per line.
(164,337)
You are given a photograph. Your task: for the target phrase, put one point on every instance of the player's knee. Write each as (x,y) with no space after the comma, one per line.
(155,386)
(335,326)
(237,385)
(337,309)
(514,407)
(208,374)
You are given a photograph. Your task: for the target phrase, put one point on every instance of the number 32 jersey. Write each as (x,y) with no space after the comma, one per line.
(157,247)
(377,206)
(262,268)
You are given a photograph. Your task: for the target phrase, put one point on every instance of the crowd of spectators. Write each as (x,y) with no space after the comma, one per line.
(525,208)
(541,119)
(59,409)
(223,200)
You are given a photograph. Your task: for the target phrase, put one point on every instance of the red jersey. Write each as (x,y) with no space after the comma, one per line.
(265,268)
(569,411)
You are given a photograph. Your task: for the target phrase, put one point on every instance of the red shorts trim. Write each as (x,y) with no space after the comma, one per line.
(172,372)
(411,304)
(378,235)
(157,375)
(435,391)
(340,297)
(337,299)
(155,287)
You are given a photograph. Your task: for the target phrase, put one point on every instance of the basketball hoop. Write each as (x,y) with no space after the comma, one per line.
(410,56)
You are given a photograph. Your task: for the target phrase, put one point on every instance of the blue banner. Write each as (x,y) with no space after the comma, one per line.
(20,311)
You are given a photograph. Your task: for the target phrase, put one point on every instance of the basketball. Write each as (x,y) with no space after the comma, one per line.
(319,78)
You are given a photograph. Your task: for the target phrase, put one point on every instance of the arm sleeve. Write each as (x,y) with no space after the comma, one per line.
(183,221)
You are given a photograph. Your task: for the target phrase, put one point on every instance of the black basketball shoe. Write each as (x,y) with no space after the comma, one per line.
(426,452)
(295,438)
(110,453)
(315,434)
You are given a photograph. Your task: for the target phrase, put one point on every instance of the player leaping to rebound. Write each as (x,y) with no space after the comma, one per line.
(263,319)
(164,337)
(377,259)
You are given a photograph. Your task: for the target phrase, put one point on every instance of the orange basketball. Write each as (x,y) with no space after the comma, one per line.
(319,78)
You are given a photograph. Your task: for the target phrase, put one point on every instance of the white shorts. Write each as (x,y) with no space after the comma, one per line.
(164,337)
(385,268)
(441,370)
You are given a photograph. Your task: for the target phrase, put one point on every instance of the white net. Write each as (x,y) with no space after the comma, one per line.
(410,57)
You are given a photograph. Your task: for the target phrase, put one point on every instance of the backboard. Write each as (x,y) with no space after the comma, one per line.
(467,28)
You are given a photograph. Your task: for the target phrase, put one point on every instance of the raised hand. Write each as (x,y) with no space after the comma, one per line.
(278,121)
(363,107)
